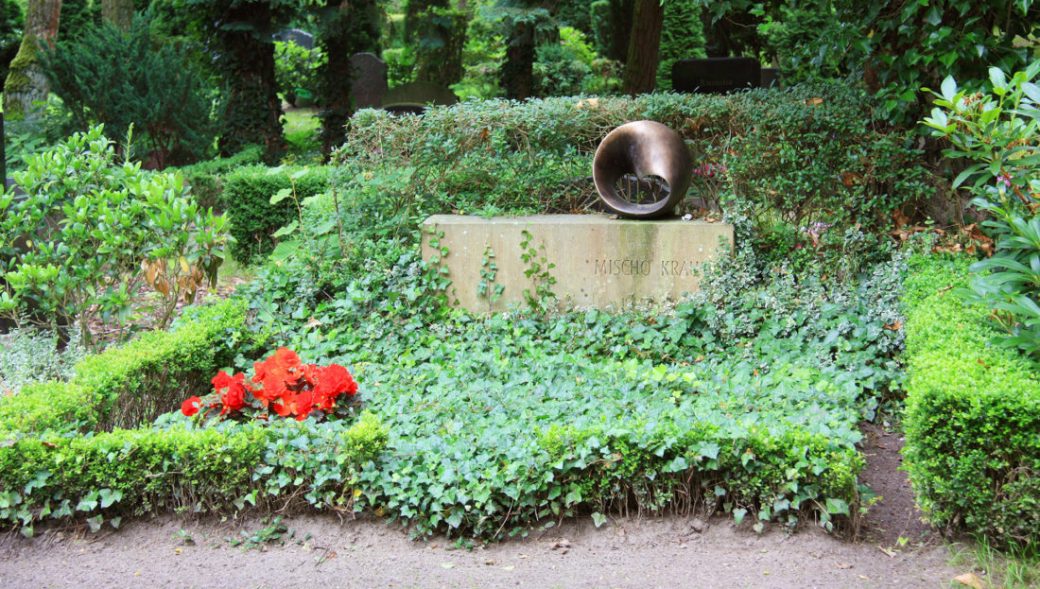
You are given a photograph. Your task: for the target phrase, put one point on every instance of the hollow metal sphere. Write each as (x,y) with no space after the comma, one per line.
(643,149)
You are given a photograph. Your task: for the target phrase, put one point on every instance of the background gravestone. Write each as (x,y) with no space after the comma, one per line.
(414,97)
(368,86)
(716,75)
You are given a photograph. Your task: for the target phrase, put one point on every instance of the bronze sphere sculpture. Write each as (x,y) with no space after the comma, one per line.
(644,149)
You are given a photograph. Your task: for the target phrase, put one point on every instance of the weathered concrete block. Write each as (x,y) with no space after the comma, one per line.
(598,261)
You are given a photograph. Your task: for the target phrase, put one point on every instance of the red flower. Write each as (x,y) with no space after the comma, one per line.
(333,380)
(190,406)
(232,391)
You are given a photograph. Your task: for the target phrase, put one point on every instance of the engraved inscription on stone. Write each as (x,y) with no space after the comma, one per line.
(599,261)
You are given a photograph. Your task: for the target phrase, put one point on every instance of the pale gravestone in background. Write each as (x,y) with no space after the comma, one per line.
(368,86)
(600,262)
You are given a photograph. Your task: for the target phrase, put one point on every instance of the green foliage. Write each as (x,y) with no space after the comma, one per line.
(75,246)
(564,68)
(247,198)
(11,19)
(29,355)
(813,159)
(126,385)
(998,133)
(972,413)
(296,69)
(135,472)
(744,399)
(896,47)
(206,178)
(120,79)
(682,37)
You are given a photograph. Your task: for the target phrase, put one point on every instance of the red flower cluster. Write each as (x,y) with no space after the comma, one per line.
(282,385)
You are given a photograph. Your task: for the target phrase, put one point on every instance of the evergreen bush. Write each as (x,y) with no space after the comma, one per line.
(129,78)
(972,413)
(254,219)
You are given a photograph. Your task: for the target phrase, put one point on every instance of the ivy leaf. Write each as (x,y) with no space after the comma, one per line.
(281,195)
(598,519)
(837,506)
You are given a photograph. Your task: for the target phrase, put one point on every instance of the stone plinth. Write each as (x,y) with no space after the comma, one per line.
(600,262)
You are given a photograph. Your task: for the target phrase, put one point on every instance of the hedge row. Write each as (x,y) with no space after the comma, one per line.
(247,200)
(58,460)
(107,476)
(973,413)
(807,154)
(134,383)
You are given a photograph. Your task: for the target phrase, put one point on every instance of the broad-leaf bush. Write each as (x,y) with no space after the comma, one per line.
(972,412)
(998,133)
(91,231)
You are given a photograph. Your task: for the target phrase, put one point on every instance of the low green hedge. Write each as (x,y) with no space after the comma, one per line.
(107,476)
(247,200)
(206,178)
(973,413)
(131,384)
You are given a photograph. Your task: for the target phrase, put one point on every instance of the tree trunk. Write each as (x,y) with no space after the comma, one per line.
(348,27)
(26,82)
(118,12)
(253,112)
(643,47)
(517,75)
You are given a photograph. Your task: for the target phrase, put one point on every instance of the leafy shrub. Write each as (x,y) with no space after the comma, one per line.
(135,472)
(999,134)
(562,68)
(682,37)
(120,79)
(254,219)
(296,70)
(75,247)
(10,32)
(29,355)
(130,384)
(206,178)
(972,413)
(814,158)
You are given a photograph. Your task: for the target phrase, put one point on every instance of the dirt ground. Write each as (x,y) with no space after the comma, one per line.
(667,552)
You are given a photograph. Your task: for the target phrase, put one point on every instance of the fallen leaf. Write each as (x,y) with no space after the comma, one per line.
(894,326)
(969,580)
(843,565)
(815,101)
(891,553)
(447,565)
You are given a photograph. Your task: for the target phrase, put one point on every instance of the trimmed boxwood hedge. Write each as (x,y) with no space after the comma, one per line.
(131,384)
(57,460)
(973,413)
(247,199)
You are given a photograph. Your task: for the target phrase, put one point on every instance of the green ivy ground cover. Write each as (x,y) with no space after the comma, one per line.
(743,399)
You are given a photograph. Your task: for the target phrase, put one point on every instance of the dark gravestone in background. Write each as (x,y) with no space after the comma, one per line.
(368,85)
(716,75)
(413,98)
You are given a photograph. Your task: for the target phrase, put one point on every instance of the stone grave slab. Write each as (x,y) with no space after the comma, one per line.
(600,261)
(368,86)
(716,75)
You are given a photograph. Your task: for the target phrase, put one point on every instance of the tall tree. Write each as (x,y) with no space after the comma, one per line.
(26,83)
(644,47)
(346,27)
(438,33)
(118,12)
